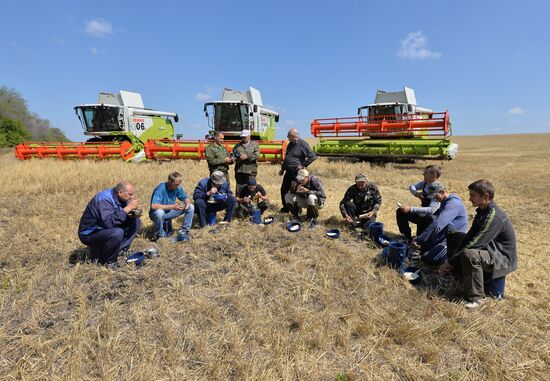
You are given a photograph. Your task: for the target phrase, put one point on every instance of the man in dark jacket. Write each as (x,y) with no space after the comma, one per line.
(489,245)
(298,156)
(361,202)
(306,192)
(245,154)
(107,226)
(211,195)
(217,156)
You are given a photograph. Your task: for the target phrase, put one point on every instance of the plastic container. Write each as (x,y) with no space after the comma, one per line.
(211,218)
(333,233)
(269,220)
(412,274)
(495,287)
(293,227)
(397,251)
(256,216)
(136,258)
(376,229)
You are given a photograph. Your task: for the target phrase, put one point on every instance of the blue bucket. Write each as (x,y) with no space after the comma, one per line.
(495,287)
(256,216)
(375,230)
(397,251)
(211,218)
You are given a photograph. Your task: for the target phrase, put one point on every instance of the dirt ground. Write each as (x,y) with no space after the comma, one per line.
(260,303)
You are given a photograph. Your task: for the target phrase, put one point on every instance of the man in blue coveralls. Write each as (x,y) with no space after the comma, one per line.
(211,195)
(164,207)
(107,225)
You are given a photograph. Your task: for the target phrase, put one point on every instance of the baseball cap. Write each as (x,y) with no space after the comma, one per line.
(360,177)
(218,177)
(301,174)
(252,181)
(245,133)
(435,188)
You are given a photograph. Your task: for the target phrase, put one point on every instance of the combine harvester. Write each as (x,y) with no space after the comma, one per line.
(392,129)
(122,128)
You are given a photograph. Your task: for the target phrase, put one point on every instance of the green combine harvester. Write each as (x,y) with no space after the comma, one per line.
(392,129)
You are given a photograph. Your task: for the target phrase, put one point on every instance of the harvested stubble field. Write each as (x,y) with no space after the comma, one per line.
(262,303)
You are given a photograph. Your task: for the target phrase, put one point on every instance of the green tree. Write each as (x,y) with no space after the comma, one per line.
(12,132)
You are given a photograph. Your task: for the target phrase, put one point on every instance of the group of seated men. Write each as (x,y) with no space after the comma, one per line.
(109,222)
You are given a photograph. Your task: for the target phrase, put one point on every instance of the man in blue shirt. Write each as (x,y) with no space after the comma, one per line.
(107,226)
(450,218)
(211,195)
(164,207)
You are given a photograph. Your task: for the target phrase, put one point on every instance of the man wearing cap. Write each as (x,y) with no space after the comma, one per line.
(164,207)
(107,226)
(211,195)
(422,216)
(488,247)
(451,218)
(253,195)
(217,156)
(361,202)
(298,156)
(245,154)
(306,192)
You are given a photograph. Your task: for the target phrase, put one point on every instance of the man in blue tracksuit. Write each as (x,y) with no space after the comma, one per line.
(211,195)
(107,226)
(450,218)
(164,207)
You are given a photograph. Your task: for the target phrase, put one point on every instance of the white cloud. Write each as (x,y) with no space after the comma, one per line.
(94,50)
(516,111)
(414,46)
(99,28)
(203,96)
(57,40)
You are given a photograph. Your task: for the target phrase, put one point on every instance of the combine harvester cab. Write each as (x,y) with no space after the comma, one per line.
(236,111)
(119,126)
(392,129)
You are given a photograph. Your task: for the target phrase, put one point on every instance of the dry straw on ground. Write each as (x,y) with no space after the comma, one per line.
(260,303)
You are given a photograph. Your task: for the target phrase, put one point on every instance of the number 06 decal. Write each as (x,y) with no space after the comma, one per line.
(140,126)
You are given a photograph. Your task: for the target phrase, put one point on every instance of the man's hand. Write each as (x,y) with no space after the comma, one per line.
(418,194)
(406,209)
(246,199)
(229,160)
(301,189)
(212,191)
(178,207)
(416,245)
(348,219)
(370,214)
(446,268)
(244,156)
(300,167)
(259,195)
(281,172)
(131,205)
(187,203)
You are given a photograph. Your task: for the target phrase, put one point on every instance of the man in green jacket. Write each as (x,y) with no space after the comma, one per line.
(245,154)
(217,156)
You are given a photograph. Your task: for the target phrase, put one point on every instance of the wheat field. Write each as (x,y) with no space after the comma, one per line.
(259,303)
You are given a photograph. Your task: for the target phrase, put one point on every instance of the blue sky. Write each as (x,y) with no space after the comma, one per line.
(484,61)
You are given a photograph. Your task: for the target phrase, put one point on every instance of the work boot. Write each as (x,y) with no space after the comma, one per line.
(293,209)
(313,223)
(312,212)
(284,209)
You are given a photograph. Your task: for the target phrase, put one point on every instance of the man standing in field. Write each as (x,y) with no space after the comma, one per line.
(245,155)
(217,156)
(422,216)
(489,245)
(298,156)
(361,202)
(107,226)
(306,192)
(164,207)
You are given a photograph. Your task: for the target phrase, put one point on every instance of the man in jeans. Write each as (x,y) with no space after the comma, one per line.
(164,207)
(108,226)
(298,156)
(489,245)
(306,192)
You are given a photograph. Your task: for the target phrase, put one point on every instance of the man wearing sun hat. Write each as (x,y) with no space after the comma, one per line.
(245,154)
(361,202)
(306,191)
(211,195)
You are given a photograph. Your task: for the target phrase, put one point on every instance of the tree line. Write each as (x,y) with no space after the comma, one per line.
(18,124)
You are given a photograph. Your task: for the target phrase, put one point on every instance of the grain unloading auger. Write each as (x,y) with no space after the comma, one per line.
(393,128)
(121,127)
